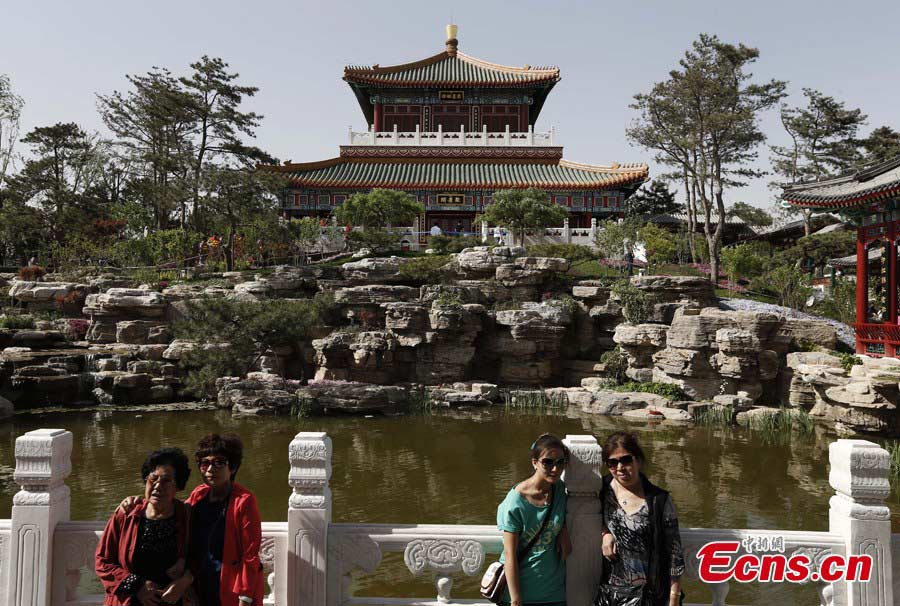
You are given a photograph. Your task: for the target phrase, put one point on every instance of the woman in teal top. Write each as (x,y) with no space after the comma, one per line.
(539,576)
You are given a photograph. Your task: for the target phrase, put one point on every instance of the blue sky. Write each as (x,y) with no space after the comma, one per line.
(58,54)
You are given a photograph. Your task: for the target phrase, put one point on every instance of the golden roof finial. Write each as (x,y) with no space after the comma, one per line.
(452,42)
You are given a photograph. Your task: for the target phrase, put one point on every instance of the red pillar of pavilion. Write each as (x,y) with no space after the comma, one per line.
(862,285)
(378,117)
(890,349)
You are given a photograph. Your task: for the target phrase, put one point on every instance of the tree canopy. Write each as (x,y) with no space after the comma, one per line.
(751,215)
(378,209)
(522,209)
(658,199)
(704,122)
(882,144)
(823,142)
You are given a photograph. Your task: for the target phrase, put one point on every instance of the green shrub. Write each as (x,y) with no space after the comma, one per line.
(566,302)
(376,239)
(616,364)
(507,305)
(666,390)
(445,245)
(634,301)
(233,335)
(428,269)
(788,284)
(16,322)
(848,361)
(741,262)
(447,300)
(660,244)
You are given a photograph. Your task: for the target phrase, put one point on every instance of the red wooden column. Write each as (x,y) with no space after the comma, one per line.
(378,117)
(862,284)
(890,350)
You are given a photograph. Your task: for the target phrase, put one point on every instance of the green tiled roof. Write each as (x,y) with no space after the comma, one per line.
(472,175)
(876,183)
(452,69)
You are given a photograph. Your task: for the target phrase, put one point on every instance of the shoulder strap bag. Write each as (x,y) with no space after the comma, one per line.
(493,582)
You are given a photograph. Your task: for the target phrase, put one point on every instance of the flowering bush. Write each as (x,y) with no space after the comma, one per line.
(60,301)
(31,273)
(366,318)
(703,268)
(77,328)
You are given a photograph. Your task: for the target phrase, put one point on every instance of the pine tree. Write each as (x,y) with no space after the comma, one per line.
(823,142)
(704,120)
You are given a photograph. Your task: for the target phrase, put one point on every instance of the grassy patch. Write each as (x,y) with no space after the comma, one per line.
(666,390)
(533,399)
(427,268)
(420,401)
(893,448)
(779,426)
(724,293)
(714,416)
(671,269)
(587,270)
(19,322)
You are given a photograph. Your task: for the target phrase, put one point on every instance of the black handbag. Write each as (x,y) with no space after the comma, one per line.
(493,582)
(609,595)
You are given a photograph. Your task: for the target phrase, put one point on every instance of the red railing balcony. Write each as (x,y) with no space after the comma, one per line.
(878,339)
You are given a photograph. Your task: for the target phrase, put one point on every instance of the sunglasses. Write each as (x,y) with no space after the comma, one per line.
(626,460)
(216,463)
(549,464)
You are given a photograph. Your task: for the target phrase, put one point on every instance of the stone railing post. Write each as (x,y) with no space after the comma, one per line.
(593,230)
(43,462)
(309,513)
(567,231)
(583,482)
(859,476)
(485,235)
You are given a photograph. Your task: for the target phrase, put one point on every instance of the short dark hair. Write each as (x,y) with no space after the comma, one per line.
(230,446)
(546,441)
(168,456)
(626,441)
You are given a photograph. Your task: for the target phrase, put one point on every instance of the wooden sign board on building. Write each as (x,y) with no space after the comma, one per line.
(451,95)
(451,199)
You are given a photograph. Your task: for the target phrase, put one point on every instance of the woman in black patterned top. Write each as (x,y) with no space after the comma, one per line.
(141,556)
(641,544)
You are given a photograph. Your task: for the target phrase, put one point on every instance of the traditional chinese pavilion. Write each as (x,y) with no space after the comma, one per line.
(451,130)
(872,198)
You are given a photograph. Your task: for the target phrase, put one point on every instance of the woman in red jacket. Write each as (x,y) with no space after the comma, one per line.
(225,528)
(140,558)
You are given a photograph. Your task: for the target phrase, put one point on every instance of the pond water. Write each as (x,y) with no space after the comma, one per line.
(451,467)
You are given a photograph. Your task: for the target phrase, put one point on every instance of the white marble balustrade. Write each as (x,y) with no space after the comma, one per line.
(45,558)
(453,138)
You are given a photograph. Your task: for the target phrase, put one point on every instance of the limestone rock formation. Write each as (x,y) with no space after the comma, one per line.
(255,397)
(666,294)
(49,295)
(374,270)
(127,303)
(353,397)
(529,271)
(483,261)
